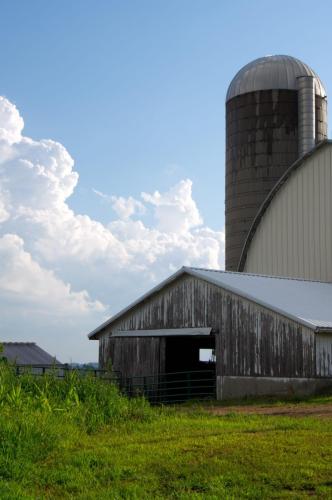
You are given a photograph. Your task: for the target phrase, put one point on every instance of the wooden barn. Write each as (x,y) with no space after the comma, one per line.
(269,335)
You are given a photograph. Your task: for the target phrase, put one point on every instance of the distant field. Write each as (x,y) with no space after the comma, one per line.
(137,452)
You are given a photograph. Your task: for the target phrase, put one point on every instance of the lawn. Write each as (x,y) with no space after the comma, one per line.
(194,457)
(138,452)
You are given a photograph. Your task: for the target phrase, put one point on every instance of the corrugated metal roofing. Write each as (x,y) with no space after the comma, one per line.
(27,353)
(299,163)
(272,72)
(307,302)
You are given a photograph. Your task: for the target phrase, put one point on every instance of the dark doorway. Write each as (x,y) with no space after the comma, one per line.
(189,371)
(185,354)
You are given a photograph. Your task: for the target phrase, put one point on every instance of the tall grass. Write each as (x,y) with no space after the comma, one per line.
(38,414)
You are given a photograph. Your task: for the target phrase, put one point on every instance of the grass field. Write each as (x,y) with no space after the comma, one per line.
(58,447)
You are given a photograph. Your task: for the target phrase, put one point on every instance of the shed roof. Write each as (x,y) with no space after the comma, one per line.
(27,353)
(307,302)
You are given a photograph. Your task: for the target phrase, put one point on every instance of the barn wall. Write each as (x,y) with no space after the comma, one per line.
(324,354)
(239,387)
(250,340)
(134,356)
(257,342)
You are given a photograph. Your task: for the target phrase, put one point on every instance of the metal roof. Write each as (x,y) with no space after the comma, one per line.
(268,200)
(304,301)
(307,302)
(27,353)
(272,72)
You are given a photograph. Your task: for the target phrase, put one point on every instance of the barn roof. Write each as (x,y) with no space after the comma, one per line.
(307,302)
(27,353)
(299,163)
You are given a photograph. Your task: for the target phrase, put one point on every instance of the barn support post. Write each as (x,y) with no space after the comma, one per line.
(219,383)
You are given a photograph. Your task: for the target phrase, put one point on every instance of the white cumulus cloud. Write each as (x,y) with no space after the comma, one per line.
(23,278)
(123,207)
(175,210)
(11,123)
(65,271)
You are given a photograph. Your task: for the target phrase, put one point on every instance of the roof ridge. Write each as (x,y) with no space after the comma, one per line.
(223,271)
(18,343)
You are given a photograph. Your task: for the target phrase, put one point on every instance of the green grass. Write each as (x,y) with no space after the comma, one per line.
(86,441)
(275,400)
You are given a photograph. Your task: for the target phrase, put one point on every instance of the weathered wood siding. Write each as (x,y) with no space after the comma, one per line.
(250,340)
(137,356)
(324,354)
(256,341)
(134,356)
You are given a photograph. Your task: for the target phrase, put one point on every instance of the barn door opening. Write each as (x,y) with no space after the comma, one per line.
(183,354)
(167,365)
(189,368)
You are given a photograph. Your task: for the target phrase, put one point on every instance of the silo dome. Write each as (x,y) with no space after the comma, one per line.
(276,111)
(272,72)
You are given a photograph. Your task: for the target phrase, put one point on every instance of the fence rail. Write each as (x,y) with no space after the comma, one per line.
(60,371)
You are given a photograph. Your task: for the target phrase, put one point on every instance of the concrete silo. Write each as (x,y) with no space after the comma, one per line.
(276,111)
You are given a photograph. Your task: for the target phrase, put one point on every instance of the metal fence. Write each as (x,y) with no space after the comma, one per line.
(60,371)
(166,388)
(176,387)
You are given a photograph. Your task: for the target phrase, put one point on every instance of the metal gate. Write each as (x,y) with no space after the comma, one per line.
(175,387)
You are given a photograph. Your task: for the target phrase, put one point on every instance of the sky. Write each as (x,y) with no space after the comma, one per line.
(112,148)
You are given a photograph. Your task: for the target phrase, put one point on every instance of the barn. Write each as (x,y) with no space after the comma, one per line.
(268,317)
(270,335)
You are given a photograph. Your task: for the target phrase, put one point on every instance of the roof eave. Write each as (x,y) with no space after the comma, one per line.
(94,335)
(323,329)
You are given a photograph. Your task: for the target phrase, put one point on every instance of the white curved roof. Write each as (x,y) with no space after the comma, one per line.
(292,232)
(271,72)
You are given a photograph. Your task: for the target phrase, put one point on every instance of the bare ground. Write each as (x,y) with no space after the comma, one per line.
(291,410)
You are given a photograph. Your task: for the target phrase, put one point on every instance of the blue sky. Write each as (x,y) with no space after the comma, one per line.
(134,91)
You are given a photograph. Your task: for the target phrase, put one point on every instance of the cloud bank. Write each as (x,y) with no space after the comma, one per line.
(62,273)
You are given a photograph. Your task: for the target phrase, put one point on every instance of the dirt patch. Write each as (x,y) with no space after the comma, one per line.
(295,410)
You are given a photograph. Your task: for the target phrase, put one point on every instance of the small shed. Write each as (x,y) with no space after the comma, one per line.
(269,335)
